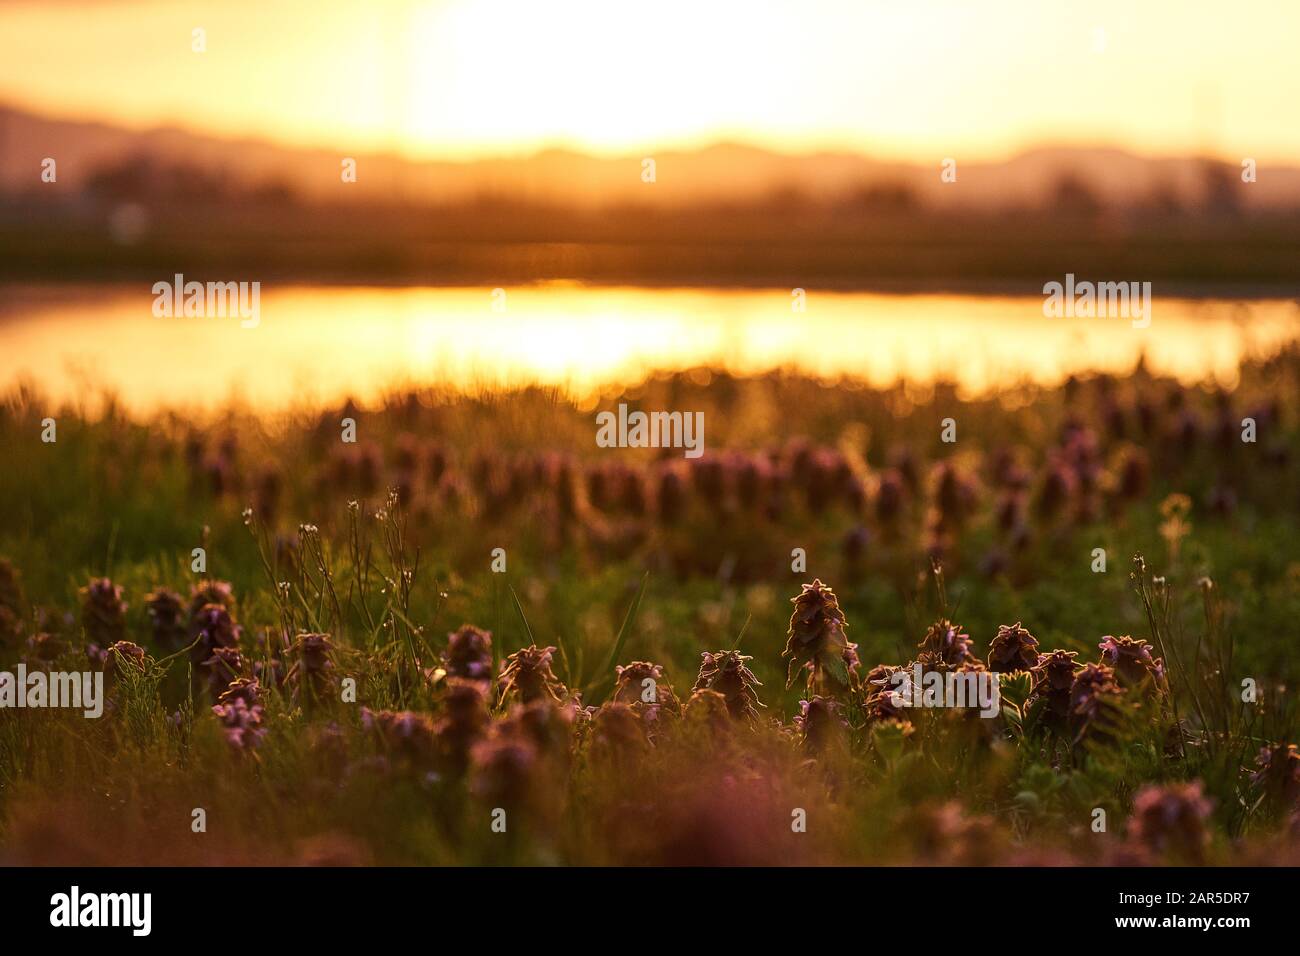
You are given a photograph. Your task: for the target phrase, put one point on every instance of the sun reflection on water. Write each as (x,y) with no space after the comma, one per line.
(318,344)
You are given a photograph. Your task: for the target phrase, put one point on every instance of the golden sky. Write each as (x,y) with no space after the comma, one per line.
(905,79)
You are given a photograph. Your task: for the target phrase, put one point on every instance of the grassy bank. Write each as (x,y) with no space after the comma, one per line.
(613,556)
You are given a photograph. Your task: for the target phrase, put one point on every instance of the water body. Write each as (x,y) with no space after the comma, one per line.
(323,343)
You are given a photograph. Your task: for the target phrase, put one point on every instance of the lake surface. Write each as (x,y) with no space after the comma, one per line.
(316,343)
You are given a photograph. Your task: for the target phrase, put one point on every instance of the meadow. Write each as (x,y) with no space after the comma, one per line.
(472,636)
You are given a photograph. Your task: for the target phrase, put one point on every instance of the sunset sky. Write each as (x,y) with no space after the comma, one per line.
(471,78)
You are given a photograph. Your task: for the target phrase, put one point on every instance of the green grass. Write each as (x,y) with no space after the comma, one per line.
(118,497)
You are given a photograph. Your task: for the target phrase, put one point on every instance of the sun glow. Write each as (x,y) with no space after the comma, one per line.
(605,76)
(473,78)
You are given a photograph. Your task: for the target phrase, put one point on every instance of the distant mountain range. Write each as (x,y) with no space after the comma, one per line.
(724,173)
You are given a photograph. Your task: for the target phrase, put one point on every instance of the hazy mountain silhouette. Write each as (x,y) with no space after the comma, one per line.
(718,174)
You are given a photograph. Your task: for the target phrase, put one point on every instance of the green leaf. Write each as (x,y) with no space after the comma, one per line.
(834,665)
(606,675)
